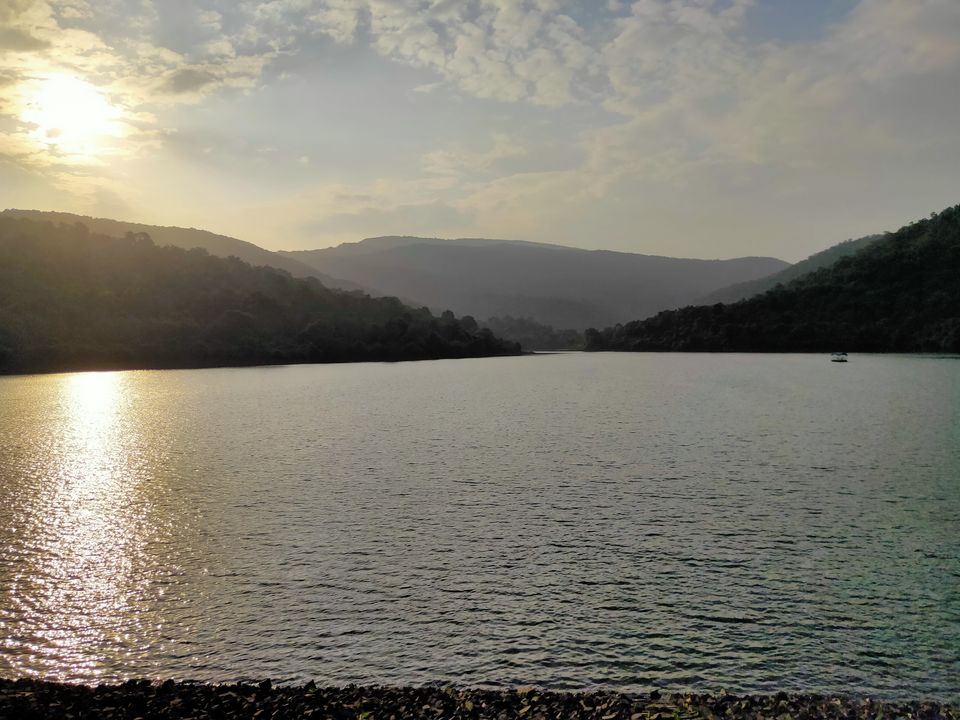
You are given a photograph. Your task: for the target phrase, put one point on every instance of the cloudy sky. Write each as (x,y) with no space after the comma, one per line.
(698,128)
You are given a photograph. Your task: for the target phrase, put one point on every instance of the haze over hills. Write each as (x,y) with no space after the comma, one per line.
(568,288)
(561,286)
(899,293)
(72,300)
(741,291)
(188,238)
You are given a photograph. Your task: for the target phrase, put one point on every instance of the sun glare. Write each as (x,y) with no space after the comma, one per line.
(70,115)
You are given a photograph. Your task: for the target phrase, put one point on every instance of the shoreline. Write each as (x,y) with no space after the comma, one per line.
(4,373)
(27,699)
(137,367)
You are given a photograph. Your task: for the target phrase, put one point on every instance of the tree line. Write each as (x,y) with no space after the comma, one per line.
(899,293)
(71,299)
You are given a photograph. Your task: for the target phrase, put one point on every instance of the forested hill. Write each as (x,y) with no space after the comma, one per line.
(744,290)
(899,294)
(189,238)
(71,299)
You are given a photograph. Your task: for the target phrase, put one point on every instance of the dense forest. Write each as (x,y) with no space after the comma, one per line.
(900,293)
(824,258)
(533,335)
(189,238)
(72,299)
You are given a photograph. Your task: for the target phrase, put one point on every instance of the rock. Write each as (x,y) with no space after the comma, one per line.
(142,700)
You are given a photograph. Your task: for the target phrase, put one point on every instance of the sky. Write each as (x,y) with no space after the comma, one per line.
(690,128)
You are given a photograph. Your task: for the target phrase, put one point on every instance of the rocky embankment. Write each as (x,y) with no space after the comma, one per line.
(33,699)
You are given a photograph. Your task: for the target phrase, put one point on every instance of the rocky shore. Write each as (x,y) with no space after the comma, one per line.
(34,699)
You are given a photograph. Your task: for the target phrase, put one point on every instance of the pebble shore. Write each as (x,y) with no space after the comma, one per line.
(35,700)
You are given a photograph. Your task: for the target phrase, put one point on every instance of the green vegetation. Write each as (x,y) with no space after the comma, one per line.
(533,335)
(71,299)
(900,293)
(824,258)
(189,238)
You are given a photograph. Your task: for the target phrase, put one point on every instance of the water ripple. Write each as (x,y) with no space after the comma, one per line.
(749,522)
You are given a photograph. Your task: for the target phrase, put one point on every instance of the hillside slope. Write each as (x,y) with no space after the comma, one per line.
(560,286)
(824,258)
(71,299)
(188,238)
(899,294)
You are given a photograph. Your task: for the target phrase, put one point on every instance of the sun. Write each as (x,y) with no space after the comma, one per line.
(70,115)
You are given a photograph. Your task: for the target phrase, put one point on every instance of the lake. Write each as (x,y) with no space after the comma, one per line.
(752,522)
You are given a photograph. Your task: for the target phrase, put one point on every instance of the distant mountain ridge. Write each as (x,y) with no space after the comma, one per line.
(387,242)
(744,290)
(565,287)
(188,238)
(72,299)
(560,286)
(898,293)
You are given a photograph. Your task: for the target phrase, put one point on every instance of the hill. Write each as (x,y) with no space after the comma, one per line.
(189,238)
(555,285)
(71,299)
(533,335)
(824,258)
(901,293)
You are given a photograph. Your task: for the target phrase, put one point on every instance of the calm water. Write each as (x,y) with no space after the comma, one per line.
(753,522)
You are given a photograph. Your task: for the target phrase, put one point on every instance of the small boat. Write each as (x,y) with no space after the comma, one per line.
(838,357)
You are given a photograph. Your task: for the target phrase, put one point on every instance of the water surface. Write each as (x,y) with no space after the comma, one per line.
(754,522)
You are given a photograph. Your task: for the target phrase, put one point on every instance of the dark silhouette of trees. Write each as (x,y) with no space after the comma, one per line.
(824,258)
(72,299)
(899,293)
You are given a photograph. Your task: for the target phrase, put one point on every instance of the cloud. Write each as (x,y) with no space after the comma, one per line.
(12,9)
(522,205)
(331,213)
(887,40)
(694,95)
(501,50)
(429,219)
(17,40)
(16,148)
(459,163)
(684,109)
(188,80)
(119,48)
(340,19)
(73,9)
(650,106)
(210,19)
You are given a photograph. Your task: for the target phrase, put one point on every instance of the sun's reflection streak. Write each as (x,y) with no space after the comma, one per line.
(74,594)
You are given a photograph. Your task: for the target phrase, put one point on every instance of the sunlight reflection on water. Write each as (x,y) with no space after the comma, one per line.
(752,522)
(75,592)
